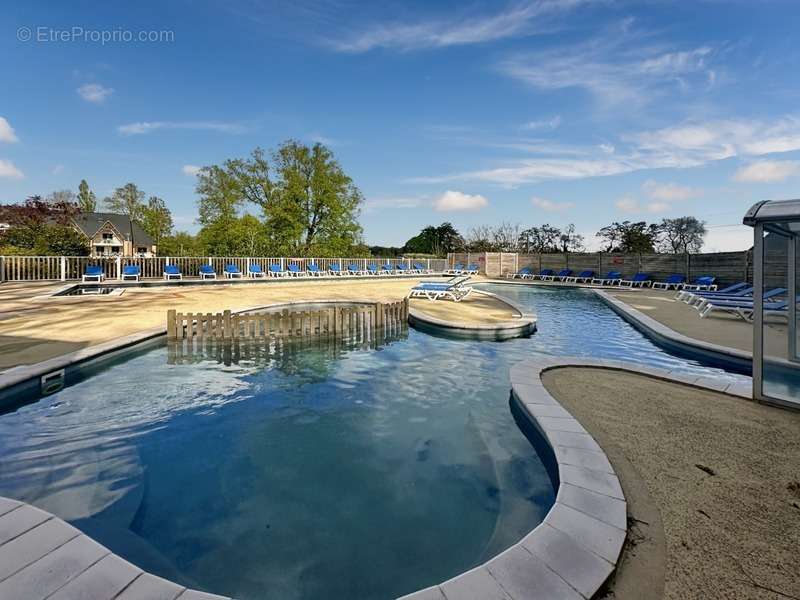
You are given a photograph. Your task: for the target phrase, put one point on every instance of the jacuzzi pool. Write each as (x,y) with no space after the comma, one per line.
(310,472)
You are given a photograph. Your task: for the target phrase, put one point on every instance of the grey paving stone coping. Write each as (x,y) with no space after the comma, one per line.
(523,323)
(41,557)
(739,359)
(573,551)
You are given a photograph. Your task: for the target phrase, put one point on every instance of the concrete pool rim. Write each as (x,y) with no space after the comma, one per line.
(521,324)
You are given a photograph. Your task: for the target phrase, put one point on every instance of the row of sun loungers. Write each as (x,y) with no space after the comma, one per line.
(676,282)
(94,273)
(460,269)
(738,300)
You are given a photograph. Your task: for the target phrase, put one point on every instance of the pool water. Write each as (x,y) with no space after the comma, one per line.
(322,471)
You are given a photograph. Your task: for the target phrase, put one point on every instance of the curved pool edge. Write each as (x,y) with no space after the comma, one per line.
(572,553)
(731,359)
(46,556)
(521,325)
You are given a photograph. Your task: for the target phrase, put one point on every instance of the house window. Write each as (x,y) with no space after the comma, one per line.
(107,237)
(141,250)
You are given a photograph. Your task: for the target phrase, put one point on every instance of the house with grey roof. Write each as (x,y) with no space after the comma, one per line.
(110,234)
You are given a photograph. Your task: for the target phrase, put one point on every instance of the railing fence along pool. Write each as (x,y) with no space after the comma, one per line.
(362,321)
(64,268)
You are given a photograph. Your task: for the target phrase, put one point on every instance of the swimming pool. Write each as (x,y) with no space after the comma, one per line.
(311,472)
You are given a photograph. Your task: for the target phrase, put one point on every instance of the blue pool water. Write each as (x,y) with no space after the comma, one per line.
(308,472)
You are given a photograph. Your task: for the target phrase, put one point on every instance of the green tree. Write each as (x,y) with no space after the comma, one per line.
(87,202)
(310,206)
(128,200)
(682,235)
(540,240)
(156,219)
(180,243)
(630,236)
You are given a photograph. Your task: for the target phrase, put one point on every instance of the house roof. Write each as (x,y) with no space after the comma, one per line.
(91,223)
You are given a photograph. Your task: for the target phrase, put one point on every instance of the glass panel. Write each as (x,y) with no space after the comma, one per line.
(781,376)
(796,354)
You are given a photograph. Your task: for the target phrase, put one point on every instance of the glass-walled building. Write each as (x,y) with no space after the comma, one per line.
(776,327)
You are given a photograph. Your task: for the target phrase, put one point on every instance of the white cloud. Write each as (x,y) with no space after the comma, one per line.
(384,202)
(767,171)
(8,170)
(550,206)
(459,201)
(58,169)
(629,204)
(613,68)
(192,170)
(7,134)
(94,92)
(680,146)
(145,127)
(523,18)
(729,238)
(668,192)
(551,123)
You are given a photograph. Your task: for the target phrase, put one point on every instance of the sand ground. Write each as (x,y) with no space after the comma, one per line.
(723,473)
(35,328)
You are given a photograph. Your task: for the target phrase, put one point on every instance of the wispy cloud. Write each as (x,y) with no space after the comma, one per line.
(546,124)
(145,127)
(94,92)
(679,146)
(390,202)
(9,171)
(58,169)
(454,201)
(551,206)
(191,170)
(614,67)
(668,192)
(7,133)
(767,171)
(629,204)
(517,19)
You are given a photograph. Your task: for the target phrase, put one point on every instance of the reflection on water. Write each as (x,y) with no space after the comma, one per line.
(325,470)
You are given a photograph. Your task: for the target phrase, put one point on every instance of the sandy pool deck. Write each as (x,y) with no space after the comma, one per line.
(35,328)
(724,474)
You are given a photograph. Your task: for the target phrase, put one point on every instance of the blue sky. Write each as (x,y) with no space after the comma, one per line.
(559,111)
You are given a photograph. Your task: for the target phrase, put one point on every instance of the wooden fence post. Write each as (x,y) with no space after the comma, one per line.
(63,266)
(226,324)
(171,328)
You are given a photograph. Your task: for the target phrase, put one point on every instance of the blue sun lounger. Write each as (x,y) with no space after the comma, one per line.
(255,271)
(543,273)
(172,272)
(387,269)
(706,282)
(314,271)
(736,288)
(674,282)
(335,269)
(582,277)
(457,269)
(561,275)
(523,273)
(400,268)
(207,272)
(453,289)
(372,269)
(638,280)
(275,270)
(354,269)
(745,308)
(294,270)
(130,272)
(93,273)
(610,279)
(420,268)
(231,271)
